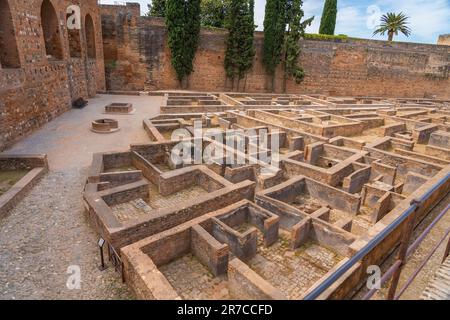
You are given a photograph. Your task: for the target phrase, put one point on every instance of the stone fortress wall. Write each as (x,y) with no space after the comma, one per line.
(137,58)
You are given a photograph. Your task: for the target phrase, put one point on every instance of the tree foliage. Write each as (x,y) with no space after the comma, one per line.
(157,8)
(274,30)
(328,21)
(214,13)
(295,31)
(183,27)
(392,24)
(240,48)
(283,29)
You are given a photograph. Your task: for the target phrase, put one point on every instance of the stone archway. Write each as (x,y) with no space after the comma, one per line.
(9,55)
(74,37)
(51,31)
(89,30)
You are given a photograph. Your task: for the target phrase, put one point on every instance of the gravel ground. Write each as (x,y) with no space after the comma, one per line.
(44,235)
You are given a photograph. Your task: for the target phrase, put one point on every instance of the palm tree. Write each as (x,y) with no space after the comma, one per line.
(393,23)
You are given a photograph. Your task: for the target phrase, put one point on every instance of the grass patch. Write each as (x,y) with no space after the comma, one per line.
(10,178)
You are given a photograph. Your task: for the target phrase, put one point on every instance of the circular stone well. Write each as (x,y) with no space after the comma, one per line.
(105,126)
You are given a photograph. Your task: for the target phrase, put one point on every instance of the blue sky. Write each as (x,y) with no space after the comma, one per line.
(357,18)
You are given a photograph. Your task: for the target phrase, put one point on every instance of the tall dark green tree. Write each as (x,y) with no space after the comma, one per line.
(328,22)
(283,29)
(240,50)
(157,8)
(231,53)
(183,27)
(247,48)
(274,30)
(192,33)
(295,31)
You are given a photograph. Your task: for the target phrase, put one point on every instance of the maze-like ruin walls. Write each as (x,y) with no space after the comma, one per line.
(265,196)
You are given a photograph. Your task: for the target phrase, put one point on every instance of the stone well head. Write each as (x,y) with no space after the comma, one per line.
(105,126)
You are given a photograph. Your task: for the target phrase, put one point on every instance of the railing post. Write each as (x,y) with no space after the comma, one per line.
(447,251)
(401,256)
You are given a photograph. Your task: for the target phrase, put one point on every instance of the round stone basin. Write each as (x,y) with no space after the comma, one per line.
(105,126)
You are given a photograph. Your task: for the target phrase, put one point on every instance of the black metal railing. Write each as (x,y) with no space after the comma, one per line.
(408,214)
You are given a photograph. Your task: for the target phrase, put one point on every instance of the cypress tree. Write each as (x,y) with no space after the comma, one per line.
(240,49)
(247,49)
(274,29)
(192,33)
(183,27)
(295,31)
(328,21)
(232,49)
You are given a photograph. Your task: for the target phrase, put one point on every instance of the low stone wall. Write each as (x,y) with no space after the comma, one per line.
(38,166)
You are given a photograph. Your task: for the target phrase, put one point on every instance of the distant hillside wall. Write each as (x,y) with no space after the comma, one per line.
(137,58)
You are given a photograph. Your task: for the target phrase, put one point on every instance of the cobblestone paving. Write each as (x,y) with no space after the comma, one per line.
(162,166)
(193,281)
(131,210)
(293,272)
(158,201)
(137,208)
(44,235)
(307,204)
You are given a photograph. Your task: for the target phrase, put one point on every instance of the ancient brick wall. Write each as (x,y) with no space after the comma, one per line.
(138,58)
(40,78)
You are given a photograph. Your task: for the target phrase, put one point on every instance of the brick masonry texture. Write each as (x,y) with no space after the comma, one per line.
(34,87)
(137,58)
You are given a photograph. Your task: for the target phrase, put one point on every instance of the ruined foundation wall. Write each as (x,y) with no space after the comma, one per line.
(39,87)
(137,58)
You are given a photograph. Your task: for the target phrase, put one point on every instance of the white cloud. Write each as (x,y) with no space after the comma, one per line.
(428,18)
(350,20)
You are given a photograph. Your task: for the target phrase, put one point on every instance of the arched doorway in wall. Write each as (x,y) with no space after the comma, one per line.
(51,31)
(74,36)
(9,55)
(90,37)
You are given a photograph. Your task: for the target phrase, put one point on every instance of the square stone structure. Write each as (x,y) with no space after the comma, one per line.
(119,108)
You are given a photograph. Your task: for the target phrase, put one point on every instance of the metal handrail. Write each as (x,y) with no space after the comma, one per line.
(422,265)
(388,274)
(415,203)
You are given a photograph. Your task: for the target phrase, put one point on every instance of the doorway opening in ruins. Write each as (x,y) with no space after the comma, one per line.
(74,41)
(9,55)
(51,31)
(90,37)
